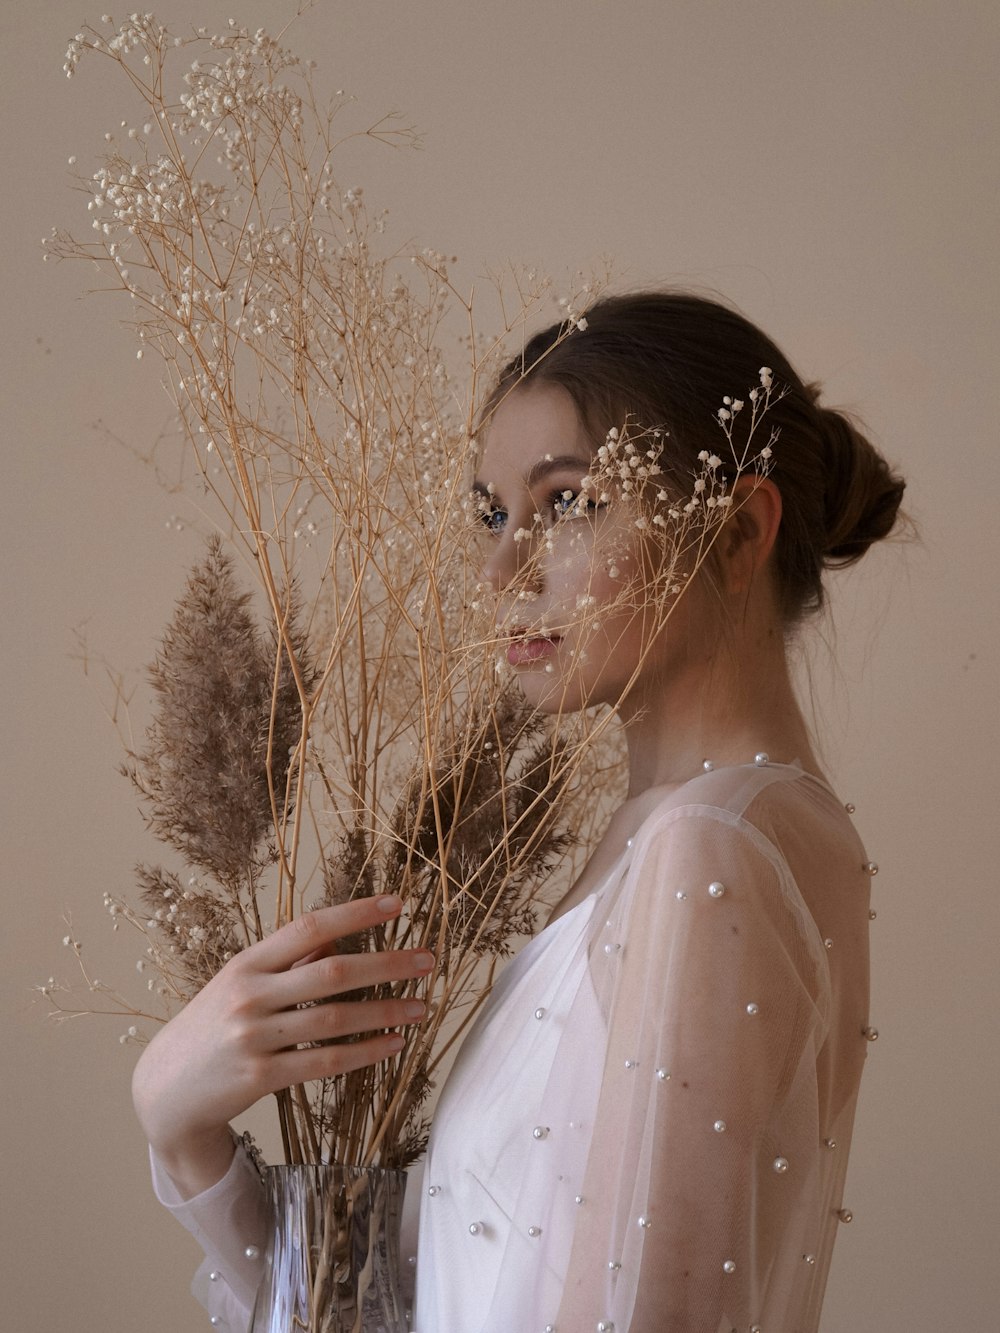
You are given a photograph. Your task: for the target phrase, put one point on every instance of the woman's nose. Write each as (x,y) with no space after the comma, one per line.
(513,562)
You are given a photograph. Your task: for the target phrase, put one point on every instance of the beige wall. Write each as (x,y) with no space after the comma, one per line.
(829,166)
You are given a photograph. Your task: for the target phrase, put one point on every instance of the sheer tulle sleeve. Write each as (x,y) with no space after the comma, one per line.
(709,1181)
(230,1223)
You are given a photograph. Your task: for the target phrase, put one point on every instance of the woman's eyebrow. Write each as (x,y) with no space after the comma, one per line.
(538,471)
(557,464)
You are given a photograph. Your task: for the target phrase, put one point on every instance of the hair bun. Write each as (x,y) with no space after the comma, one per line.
(862,494)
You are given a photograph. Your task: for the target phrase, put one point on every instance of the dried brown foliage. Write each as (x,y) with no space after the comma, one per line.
(341,750)
(227,720)
(366,740)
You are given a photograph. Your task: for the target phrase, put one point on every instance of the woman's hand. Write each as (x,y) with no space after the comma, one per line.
(240,1037)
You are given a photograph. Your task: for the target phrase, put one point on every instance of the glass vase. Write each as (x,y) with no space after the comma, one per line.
(333,1260)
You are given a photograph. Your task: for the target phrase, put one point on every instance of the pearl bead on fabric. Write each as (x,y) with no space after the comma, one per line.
(761,759)
(729,1266)
(540,1132)
(780,1165)
(753,1009)
(715,889)
(719,1127)
(252,1252)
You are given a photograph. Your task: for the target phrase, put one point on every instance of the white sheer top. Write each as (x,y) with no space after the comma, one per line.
(647,1128)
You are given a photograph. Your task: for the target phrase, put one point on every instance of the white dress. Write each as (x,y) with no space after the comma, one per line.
(647,1127)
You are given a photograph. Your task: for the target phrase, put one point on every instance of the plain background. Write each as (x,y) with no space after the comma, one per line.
(831,168)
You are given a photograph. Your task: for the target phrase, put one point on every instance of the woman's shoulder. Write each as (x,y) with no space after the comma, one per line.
(760,795)
(777,829)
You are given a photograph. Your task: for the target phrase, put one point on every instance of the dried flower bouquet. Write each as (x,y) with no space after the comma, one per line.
(365,739)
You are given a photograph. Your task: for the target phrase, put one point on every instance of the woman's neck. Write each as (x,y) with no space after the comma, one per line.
(726,709)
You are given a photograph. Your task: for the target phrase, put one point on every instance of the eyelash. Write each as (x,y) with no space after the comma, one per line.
(494,519)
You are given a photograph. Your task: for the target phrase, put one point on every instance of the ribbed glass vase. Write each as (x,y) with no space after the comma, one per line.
(333,1260)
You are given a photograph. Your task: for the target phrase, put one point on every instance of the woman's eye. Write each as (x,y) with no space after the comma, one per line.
(493,519)
(573,504)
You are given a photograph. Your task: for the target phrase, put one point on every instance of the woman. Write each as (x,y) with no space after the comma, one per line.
(647,1129)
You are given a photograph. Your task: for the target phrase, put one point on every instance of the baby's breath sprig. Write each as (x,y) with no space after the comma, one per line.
(66,1002)
(761,398)
(363,738)
(333,749)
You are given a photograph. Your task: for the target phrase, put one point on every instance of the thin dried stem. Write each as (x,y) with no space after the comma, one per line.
(363,737)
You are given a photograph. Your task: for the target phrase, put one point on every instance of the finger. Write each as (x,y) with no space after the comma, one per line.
(327,951)
(313,932)
(342,972)
(302,1066)
(323,1022)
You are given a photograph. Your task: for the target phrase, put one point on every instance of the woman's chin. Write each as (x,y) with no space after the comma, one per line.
(547,693)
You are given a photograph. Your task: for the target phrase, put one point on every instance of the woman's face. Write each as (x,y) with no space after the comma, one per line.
(572,575)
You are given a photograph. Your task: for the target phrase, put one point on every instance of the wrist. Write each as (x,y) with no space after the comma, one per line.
(197,1162)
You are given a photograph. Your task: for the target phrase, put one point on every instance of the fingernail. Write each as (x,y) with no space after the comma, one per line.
(423,961)
(414,1009)
(389,904)
(394,1043)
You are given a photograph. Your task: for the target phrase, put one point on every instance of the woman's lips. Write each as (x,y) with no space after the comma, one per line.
(526,649)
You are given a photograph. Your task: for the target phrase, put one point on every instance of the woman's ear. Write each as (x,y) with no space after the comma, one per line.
(750,531)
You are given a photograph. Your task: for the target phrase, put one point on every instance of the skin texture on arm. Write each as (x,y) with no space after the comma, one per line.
(242,1036)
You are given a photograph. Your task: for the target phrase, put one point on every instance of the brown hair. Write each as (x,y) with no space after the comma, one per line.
(665,359)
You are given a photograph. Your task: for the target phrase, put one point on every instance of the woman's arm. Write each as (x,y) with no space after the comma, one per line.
(701,1186)
(230,1221)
